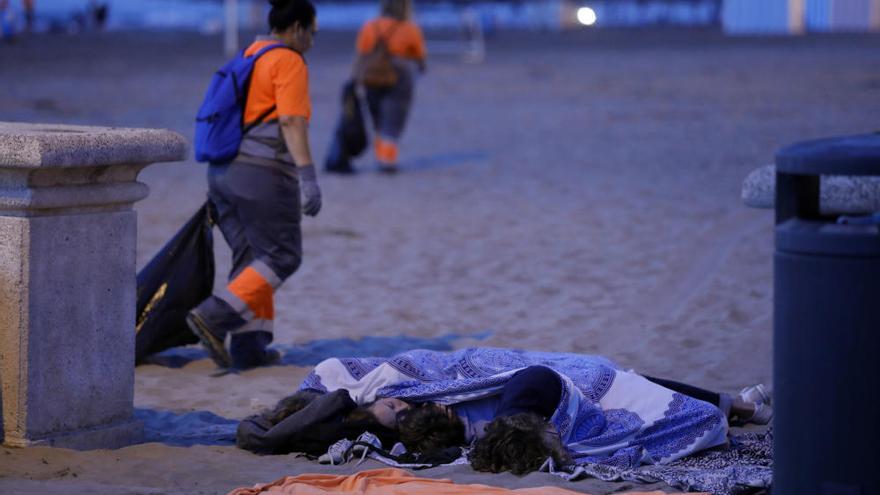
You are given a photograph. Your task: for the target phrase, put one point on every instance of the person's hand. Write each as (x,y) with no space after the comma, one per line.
(311,193)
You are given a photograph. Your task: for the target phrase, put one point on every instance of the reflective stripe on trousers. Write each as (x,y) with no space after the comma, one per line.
(250,294)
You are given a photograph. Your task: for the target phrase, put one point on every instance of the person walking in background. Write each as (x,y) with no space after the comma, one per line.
(257,194)
(98,14)
(6,33)
(28,14)
(394,33)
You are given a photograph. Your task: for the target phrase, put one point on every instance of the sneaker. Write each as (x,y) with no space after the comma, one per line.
(270,357)
(763,414)
(342,170)
(212,343)
(387,169)
(361,450)
(338,453)
(756,394)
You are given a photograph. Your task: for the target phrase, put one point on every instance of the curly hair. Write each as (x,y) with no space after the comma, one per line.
(429,428)
(519,444)
(362,419)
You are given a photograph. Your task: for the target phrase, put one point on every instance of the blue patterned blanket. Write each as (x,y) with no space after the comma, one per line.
(606,416)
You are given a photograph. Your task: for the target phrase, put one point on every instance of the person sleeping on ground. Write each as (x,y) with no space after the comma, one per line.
(514,408)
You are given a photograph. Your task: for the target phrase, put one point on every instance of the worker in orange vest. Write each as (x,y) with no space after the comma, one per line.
(257,194)
(389,106)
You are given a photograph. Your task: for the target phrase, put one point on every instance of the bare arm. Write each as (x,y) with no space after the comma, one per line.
(296,136)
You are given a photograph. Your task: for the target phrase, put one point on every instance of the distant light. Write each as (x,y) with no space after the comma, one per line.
(586,16)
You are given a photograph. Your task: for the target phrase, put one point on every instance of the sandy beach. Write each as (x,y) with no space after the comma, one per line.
(576,192)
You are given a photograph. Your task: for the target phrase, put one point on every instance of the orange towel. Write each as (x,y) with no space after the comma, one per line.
(392,481)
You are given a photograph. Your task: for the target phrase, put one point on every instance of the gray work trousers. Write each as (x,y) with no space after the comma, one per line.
(258,212)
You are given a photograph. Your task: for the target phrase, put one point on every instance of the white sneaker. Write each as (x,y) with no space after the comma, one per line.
(763,414)
(756,394)
(338,453)
(358,450)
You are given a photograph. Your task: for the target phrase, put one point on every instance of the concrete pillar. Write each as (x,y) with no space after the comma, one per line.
(874,16)
(67,280)
(843,15)
(230,27)
(763,16)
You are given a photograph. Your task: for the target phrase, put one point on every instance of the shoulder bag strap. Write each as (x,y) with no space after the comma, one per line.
(387,36)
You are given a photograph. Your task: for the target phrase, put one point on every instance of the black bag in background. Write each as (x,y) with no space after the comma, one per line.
(351,126)
(176,280)
(350,137)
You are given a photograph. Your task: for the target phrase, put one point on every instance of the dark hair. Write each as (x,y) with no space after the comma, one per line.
(361,419)
(319,436)
(290,405)
(428,428)
(354,422)
(397,9)
(361,413)
(286,13)
(519,444)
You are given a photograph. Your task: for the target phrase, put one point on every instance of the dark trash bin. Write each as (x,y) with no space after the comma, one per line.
(826,342)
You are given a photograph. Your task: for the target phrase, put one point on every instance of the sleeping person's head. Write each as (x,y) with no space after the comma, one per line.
(430,427)
(387,411)
(520,443)
(424,427)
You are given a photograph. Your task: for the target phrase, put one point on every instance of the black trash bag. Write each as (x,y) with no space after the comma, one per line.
(352,127)
(350,137)
(176,280)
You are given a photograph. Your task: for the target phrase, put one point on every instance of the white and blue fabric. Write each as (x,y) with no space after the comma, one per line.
(605,415)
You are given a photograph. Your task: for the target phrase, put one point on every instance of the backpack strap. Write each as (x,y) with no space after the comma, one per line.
(259,120)
(273,46)
(387,36)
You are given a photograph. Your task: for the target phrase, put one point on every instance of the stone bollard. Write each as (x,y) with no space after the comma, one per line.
(67,280)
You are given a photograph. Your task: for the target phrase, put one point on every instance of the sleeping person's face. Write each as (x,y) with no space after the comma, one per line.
(387,411)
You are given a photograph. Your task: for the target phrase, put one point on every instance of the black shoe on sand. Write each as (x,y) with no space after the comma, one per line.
(341,170)
(212,343)
(270,357)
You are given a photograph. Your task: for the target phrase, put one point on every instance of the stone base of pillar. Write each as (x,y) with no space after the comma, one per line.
(112,436)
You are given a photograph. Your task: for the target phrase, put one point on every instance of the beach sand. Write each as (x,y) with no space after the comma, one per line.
(577,192)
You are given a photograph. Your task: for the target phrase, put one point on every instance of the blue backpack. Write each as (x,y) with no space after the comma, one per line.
(220,120)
